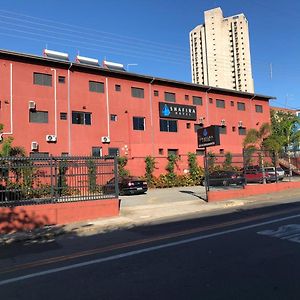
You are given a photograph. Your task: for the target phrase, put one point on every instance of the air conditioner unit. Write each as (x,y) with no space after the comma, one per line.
(105,139)
(51,138)
(223,122)
(34,146)
(240,123)
(31,105)
(201,120)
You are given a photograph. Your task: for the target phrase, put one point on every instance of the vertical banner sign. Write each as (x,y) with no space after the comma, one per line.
(208,136)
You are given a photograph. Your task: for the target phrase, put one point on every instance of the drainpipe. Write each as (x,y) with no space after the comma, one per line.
(251,112)
(151,114)
(207,104)
(11,100)
(107,107)
(55,103)
(69,111)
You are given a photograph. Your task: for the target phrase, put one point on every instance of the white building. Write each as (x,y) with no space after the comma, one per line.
(220,52)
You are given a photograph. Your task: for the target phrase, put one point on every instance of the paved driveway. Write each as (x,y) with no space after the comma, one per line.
(159,196)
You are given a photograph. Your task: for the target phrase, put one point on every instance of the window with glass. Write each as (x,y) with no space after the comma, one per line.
(242,131)
(168,125)
(118,88)
(96,151)
(156,93)
(172,152)
(258,108)
(222,129)
(63,116)
(137,92)
(241,106)
(96,87)
(42,79)
(113,118)
(36,116)
(220,103)
(82,118)
(138,123)
(113,151)
(61,79)
(170,97)
(197,100)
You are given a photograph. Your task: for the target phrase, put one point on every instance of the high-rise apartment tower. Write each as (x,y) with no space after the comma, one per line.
(220,52)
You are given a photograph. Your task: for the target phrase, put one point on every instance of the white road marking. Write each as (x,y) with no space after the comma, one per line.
(289,232)
(144,250)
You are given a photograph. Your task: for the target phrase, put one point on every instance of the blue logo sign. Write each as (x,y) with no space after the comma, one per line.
(205,133)
(166,111)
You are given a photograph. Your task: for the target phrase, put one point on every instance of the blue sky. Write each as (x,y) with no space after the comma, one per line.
(152,36)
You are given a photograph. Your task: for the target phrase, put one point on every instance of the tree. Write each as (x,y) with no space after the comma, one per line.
(256,139)
(285,134)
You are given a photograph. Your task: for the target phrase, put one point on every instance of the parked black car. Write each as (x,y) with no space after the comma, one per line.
(225,178)
(127,186)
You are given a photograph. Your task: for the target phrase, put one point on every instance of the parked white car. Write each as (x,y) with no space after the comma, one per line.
(279,171)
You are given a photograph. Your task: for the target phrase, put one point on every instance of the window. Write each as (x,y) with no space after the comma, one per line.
(138,123)
(137,92)
(161,151)
(38,116)
(83,118)
(220,103)
(61,79)
(242,131)
(210,100)
(222,129)
(113,151)
(197,100)
(113,118)
(118,88)
(188,125)
(42,79)
(168,125)
(231,103)
(39,154)
(97,87)
(63,116)
(186,97)
(96,151)
(258,108)
(170,97)
(172,152)
(156,93)
(241,106)
(65,154)
(200,152)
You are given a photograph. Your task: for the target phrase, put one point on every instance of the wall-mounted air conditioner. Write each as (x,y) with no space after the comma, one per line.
(31,105)
(240,124)
(105,139)
(201,120)
(223,122)
(51,138)
(34,146)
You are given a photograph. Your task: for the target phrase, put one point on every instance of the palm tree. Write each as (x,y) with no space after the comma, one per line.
(256,140)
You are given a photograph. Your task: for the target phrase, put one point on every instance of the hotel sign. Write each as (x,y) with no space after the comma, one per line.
(208,136)
(177,111)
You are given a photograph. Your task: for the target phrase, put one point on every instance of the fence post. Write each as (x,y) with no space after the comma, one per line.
(116,176)
(206,174)
(51,178)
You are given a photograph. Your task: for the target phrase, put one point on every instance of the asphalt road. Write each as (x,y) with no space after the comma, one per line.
(248,254)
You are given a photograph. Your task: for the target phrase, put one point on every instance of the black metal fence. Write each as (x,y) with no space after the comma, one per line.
(28,180)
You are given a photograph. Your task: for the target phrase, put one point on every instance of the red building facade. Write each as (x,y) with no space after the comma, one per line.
(64,108)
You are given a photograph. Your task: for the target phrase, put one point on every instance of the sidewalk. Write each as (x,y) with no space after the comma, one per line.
(155,206)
